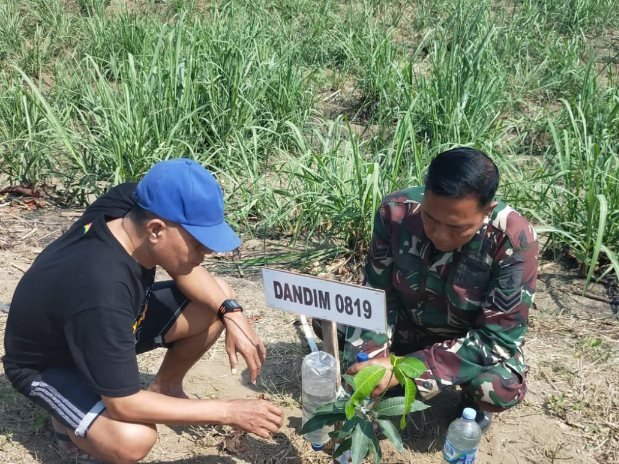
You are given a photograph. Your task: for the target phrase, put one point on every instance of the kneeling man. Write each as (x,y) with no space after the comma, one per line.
(459,270)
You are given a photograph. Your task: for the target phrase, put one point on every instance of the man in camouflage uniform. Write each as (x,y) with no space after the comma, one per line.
(459,271)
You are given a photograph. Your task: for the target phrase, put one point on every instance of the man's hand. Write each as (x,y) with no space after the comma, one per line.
(388,381)
(260,417)
(241,338)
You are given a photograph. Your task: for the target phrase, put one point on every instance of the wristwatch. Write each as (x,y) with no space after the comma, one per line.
(228,306)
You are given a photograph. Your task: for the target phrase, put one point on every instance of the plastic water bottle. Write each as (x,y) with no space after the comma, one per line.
(463,437)
(318,374)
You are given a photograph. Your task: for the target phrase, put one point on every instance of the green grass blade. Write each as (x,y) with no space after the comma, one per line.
(603,212)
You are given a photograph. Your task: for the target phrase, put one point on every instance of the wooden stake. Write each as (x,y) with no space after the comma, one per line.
(329,334)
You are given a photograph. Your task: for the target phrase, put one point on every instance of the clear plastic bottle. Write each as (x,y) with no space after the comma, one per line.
(318,374)
(463,437)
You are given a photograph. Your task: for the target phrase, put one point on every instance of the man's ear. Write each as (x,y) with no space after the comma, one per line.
(491,207)
(154,228)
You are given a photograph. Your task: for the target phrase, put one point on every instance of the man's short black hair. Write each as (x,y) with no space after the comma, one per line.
(139,215)
(463,172)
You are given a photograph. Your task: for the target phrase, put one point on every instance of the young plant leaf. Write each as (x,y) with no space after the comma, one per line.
(334,407)
(409,396)
(400,377)
(361,439)
(320,420)
(378,454)
(366,380)
(364,383)
(346,429)
(391,433)
(410,389)
(390,407)
(351,408)
(418,406)
(351,424)
(411,367)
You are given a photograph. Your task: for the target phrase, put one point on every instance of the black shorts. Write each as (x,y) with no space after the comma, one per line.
(61,390)
(165,304)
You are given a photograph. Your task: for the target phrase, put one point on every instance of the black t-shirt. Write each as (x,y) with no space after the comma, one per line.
(77,305)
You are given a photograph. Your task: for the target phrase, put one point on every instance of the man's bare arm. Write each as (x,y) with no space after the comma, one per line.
(202,288)
(256,416)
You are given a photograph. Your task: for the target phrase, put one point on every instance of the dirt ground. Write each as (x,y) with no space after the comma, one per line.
(570,415)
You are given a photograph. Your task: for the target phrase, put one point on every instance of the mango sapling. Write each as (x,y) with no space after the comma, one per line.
(361,416)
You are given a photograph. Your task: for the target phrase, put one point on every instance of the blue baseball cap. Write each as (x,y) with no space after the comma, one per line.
(182,191)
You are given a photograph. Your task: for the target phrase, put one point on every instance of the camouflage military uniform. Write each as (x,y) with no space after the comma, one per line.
(463,313)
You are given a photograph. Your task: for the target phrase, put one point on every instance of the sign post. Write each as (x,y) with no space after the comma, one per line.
(329,334)
(333,302)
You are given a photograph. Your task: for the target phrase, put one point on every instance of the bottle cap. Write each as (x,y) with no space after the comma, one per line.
(317,447)
(469,414)
(362,357)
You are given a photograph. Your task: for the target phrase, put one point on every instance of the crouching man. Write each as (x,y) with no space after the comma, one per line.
(88,305)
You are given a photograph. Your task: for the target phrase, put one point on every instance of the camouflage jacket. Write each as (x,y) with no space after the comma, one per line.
(461,312)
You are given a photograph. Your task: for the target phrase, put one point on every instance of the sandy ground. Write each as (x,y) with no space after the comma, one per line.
(570,415)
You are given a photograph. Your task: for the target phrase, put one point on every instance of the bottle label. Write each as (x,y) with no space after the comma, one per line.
(454,455)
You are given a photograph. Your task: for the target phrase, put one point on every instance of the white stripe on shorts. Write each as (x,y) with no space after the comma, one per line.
(58,402)
(78,420)
(89,418)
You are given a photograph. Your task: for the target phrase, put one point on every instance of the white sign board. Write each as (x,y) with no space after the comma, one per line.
(347,304)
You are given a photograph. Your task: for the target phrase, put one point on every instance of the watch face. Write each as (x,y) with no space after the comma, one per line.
(229,305)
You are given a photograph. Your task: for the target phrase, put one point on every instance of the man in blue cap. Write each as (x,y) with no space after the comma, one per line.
(89,304)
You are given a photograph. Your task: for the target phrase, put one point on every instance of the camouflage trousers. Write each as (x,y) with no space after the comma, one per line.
(497,388)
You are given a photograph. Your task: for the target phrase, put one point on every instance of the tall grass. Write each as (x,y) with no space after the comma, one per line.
(334,185)
(23,140)
(588,191)
(310,111)
(10,28)
(461,99)
(575,16)
(158,91)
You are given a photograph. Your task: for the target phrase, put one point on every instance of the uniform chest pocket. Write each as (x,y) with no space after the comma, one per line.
(406,261)
(468,283)
(408,273)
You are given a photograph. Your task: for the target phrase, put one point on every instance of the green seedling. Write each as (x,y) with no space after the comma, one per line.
(362,417)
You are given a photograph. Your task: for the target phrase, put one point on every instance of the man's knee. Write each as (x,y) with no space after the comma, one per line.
(138,442)
(125,442)
(497,389)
